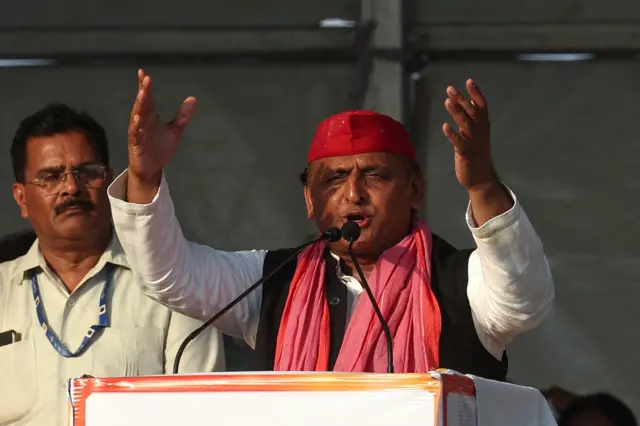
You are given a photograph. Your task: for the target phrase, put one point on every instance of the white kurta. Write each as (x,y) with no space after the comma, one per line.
(510,286)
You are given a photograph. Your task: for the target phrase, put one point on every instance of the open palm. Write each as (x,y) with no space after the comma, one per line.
(152,142)
(471,141)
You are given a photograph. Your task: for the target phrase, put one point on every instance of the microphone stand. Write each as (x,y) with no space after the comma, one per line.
(333,234)
(376,308)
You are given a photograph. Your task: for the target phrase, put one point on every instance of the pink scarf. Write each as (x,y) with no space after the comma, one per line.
(401,284)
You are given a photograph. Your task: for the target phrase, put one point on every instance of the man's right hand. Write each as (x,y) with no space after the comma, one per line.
(151,142)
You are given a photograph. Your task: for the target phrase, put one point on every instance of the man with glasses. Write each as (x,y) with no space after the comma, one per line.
(70,306)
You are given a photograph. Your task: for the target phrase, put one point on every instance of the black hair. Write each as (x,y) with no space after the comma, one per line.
(609,406)
(54,119)
(14,245)
(304,176)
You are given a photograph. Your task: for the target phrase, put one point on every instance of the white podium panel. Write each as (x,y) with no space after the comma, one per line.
(442,398)
(286,399)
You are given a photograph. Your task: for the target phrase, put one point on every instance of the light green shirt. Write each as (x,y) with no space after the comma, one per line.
(142,339)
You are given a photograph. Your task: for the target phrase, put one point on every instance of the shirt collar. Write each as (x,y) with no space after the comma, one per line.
(338,263)
(114,253)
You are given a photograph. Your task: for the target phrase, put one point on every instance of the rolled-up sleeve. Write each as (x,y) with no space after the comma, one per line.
(510,287)
(189,278)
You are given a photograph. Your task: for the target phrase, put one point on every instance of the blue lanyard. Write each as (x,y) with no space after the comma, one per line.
(103,317)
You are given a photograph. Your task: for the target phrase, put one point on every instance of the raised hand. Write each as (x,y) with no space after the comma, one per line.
(472,147)
(471,142)
(152,142)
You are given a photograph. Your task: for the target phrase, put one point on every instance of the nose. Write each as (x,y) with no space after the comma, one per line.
(70,185)
(354,190)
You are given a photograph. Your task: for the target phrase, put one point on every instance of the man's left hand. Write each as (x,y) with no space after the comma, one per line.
(471,142)
(472,147)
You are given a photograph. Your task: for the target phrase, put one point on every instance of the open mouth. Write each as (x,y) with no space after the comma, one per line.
(362,220)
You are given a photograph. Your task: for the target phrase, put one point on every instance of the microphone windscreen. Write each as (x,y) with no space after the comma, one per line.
(351,231)
(333,234)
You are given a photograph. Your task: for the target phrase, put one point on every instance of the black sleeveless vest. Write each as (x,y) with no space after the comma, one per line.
(460,347)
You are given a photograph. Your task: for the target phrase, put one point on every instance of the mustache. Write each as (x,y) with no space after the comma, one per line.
(73,202)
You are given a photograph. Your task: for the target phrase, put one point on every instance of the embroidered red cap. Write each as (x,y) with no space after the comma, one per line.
(359,132)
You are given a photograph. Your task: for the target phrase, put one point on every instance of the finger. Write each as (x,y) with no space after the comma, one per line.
(141,75)
(454,137)
(460,116)
(448,131)
(455,95)
(140,130)
(185,111)
(144,116)
(476,95)
(134,120)
(134,131)
(146,101)
(135,110)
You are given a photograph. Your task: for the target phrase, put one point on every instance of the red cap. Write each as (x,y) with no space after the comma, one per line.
(359,132)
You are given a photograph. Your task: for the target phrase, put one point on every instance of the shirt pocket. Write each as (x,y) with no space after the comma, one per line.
(18,372)
(126,352)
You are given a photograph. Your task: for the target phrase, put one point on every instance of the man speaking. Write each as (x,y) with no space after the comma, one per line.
(444,308)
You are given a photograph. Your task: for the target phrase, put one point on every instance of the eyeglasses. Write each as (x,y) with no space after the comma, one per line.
(89,175)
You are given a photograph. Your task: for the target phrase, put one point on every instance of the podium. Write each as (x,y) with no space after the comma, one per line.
(441,398)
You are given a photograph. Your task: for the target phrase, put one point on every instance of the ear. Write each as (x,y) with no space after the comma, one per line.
(416,190)
(307,200)
(20,197)
(109,177)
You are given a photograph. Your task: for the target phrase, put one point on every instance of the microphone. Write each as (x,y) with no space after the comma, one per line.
(351,232)
(333,234)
